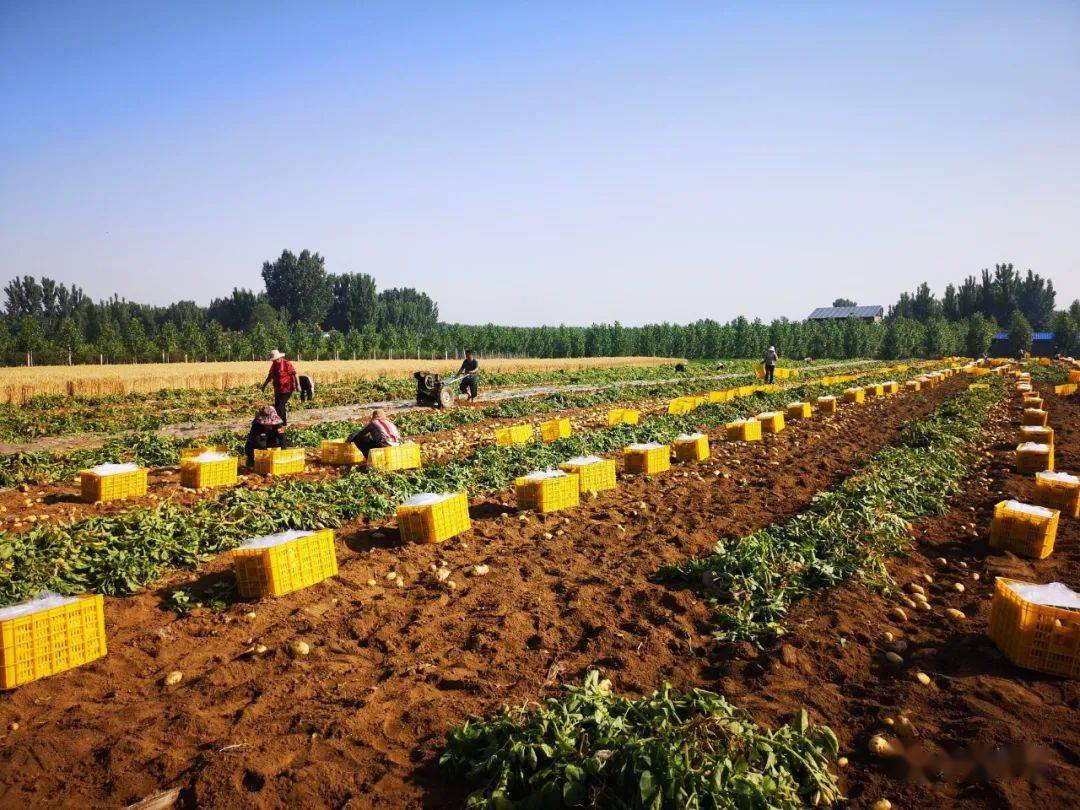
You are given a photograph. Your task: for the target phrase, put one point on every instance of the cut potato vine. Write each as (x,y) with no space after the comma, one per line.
(849,532)
(670,749)
(122,553)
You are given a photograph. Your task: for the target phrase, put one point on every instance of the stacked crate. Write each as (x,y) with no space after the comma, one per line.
(112,482)
(799,410)
(397,457)
(743,430)
(555,429)
(1034,635)
(340,452)
(515,434)
(623,416)
(548,491)
(1024,529)
(692,447)
(827,404)
(208,469)
(647,459)
(594,474)
(1032,457)
(771,421)
(279,461)
(281,563)
(47,635)
(1058,490)
(432,518)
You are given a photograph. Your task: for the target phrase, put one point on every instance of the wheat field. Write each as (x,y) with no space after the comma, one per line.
(19,383)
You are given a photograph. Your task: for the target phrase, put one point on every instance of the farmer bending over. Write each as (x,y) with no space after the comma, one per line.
(307,388)
(283,376)
(267,432)
(770,364)
(468,367)
(378,432)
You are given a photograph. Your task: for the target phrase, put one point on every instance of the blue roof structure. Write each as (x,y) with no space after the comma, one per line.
(1036,336)
(830,313)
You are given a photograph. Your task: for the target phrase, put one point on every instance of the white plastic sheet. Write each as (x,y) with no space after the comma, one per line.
(1052,594)
(271,540)
(43,601)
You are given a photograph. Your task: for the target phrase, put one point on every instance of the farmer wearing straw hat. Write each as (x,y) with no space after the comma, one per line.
(267,431)
(283,376)
(770,364)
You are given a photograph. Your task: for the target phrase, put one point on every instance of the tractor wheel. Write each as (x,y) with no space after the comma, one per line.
(446,398)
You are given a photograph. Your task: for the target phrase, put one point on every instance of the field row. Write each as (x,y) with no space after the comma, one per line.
(395,665)
(121,551)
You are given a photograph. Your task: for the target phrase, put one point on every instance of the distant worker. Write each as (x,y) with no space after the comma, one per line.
(266,433)
(770,364)
(378,432)
(468,368)
(720,366)
(680,367)
(307,388)
(283,376)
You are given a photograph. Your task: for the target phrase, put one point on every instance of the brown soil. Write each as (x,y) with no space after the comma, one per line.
(391,669)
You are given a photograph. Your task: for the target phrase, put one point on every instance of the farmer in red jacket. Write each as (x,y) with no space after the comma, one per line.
(283,376)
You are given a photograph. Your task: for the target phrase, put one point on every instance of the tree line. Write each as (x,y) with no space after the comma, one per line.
(312,314)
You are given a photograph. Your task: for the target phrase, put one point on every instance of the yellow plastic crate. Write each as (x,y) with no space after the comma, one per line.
(102,486)
(199,474)
(1024,529)
(399,457)
(279,461)
(555,429)
(1039,637)
(1065,390)
(771,421)
(1032,457)
(1023,388)
(647,459)
(623,416)
(1032,401)
(745,390)
(694,447)
(912,385)
(1058,490)
(434,522)
(875,390)
(192,452)
(978,387)
(1043,361)
(515,434)
(855,395)
(718,397)
(1037,433)
(799,410)
(593,475)
(36,643)
(684,405)
(1034,416)
(340,452)
(827,404)
(743,430)
(557,491)
(283,563)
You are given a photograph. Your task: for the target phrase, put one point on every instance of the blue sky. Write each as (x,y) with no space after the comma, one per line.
(543,162)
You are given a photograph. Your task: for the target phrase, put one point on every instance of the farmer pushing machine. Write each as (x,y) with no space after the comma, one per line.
(433,391)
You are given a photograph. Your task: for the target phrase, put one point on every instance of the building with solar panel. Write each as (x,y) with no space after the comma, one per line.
(871,314)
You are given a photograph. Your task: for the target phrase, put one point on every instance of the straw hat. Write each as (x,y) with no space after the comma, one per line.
(276,355)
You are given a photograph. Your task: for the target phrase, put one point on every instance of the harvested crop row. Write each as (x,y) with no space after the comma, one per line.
(395,666)
(122,552)
(849,532)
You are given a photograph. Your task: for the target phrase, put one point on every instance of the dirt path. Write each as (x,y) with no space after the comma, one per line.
(358,721)
(311,416)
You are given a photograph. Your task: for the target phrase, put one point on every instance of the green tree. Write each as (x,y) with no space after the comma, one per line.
(355,302)
(168,341)
(194,344)
(1065,333)
(299,284)
(1020,333)
(70,338)
(978,335)
(109,344)
(31,337)
(844,302)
